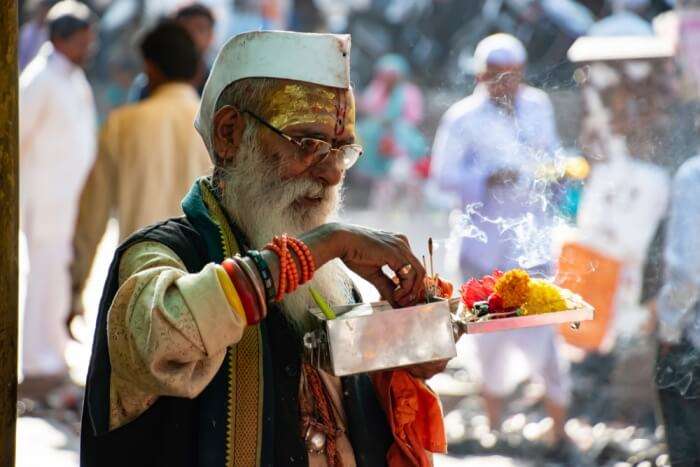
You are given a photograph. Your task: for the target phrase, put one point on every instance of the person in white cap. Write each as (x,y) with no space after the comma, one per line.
(197,357)
(487,150)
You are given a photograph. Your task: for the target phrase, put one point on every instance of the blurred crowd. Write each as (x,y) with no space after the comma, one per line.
(557,136)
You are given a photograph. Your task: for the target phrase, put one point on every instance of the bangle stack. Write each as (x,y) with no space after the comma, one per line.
(250,300)
(290,277)
(254,279)
(265,274)
(254,284)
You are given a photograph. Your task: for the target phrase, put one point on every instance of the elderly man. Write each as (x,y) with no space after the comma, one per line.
(487,151)
(198,353)
(57,147)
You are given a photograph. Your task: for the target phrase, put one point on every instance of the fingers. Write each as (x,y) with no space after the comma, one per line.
(404,239)
(406,275)
(417,271)
(408,269)
(385,287)
(376,248)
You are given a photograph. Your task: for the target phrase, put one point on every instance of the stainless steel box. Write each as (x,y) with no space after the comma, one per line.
(374,336)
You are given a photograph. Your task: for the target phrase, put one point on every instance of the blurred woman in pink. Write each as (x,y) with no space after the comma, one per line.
(392,109)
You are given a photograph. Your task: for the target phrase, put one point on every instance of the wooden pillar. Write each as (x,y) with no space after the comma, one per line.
(9,229)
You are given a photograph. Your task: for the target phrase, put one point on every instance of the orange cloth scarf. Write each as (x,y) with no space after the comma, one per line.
(415,418)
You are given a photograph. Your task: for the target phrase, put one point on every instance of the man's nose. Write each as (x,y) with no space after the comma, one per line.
(330,171)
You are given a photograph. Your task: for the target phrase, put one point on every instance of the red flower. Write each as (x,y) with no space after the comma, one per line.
(472,291)
(475,290)
(495,303)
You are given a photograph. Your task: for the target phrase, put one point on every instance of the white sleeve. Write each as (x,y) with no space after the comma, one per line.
(168,330)
(454,166)
(34,101)
(681,290)
(547,135)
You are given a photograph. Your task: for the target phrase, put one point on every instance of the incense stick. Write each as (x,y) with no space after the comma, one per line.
(430,256)
(432,289)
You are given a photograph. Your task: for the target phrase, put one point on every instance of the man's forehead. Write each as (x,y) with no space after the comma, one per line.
(295,102)
(499,69)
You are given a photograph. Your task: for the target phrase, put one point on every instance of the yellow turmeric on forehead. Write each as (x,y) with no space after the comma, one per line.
(294,103)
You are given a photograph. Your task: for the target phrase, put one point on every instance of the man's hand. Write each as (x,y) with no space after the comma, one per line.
(502,177)
(365,251)
(76,310)
(427,370)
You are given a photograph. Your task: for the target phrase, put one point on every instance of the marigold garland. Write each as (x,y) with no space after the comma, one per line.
(513,287)
(544,297)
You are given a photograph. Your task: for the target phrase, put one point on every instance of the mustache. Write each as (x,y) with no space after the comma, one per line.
(297,188)
(318,192)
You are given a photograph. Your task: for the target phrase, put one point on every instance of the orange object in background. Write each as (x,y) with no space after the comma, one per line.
(594,277)
(415,417)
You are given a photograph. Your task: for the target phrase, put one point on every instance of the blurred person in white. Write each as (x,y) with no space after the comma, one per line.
(57,148)
(678,372)
(626,196)
(152,139)
(487,150)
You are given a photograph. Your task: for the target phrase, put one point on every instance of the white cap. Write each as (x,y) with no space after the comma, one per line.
(499,50)
(313,58)
(70,8)
(591,48)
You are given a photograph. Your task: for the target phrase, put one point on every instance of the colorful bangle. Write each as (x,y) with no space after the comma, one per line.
(265,274)
(245,292)
(230,292)
(255,281)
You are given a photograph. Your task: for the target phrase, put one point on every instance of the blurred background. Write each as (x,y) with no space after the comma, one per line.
(622,79)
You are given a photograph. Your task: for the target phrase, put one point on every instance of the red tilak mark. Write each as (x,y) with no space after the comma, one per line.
(341,109)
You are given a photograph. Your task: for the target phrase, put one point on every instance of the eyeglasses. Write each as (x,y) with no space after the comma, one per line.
(314,151)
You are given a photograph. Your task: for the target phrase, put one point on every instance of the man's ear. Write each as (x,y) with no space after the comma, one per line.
(228,127)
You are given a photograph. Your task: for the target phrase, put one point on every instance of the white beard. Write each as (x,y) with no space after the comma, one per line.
(262,205)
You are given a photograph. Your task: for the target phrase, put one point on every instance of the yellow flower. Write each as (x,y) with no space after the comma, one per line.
(513,287)
(543,297)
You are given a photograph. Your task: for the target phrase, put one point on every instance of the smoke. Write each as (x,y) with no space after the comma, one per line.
(530,239)
(529,233)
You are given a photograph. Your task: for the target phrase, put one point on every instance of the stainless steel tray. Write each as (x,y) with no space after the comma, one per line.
(518,322)
(578,311)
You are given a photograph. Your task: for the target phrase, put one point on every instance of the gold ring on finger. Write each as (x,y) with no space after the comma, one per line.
(405,270)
